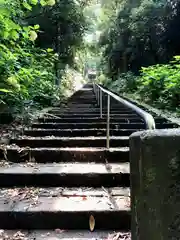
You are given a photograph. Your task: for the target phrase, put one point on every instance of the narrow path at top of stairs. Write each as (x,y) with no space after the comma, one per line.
(60,172)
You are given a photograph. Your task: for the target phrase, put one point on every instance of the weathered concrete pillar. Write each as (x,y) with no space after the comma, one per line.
(155,184)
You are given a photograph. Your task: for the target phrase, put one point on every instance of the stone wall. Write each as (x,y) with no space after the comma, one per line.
(155,184)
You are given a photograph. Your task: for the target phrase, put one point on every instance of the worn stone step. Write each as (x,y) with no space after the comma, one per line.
(50,141)
(35,132)
(89,120)
(70,105)
(57,234)
(31,192)
(89,125)
(117,119)
(89,105)
(82,94)
(44,209)
(165,125)
(79,102)
(88,108)
(65,175)
(93,108)
(88,111)
(43,155)
(65,234)
(100,125)
(95,115)
(83,101)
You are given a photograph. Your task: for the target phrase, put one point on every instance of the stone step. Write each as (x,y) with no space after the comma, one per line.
(89,120)
(62,234)
(80,98)
(43,155)
(89,99)
(83,101)
(117,119)
(78,102)
(95,115)
(89,125)
(89,105)
(35,132)
(88,111)
(99,125)
(65,175)
(52,209)
(84,106)
(51,141)
(93,108)
(82,94)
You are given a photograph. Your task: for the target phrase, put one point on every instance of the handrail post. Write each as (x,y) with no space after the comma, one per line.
(101,103)
(108,122)
(98,96)
(94,89)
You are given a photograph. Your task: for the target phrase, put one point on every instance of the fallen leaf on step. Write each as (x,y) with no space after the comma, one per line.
(23,196)
(91,223)
(19,235)
(108,167)
(128,202)
(119,236)
(58,231)
(84,198)
(4,163)
(13,192)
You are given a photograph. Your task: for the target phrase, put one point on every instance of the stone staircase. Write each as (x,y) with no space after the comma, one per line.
(60,172)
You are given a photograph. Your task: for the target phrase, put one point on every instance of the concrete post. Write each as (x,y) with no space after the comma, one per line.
(155,184)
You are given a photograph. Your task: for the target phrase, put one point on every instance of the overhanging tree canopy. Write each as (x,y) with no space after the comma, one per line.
(139,33)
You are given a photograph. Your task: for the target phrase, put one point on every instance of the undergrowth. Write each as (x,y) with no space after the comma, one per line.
(157,85)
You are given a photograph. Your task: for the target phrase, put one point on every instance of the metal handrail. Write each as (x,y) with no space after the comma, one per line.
(148,118)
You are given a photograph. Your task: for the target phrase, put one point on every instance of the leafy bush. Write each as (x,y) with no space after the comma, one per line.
(158,85)
(126,82)
(102,79)
(28,74)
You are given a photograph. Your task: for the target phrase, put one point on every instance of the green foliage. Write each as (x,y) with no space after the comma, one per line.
(138,39)
(161,84)
(27,69)
(158,85)
(137,34)
(27,75)
(126,82)
(63,25)
(102,79)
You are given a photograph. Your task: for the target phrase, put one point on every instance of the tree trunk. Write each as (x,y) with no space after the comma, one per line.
(57,48)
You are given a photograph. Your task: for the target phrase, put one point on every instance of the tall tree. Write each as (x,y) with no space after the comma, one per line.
(138,33)
(62,27)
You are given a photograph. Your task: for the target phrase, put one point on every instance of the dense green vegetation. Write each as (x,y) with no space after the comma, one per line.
(134,45)
(138,43)
(38,44)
